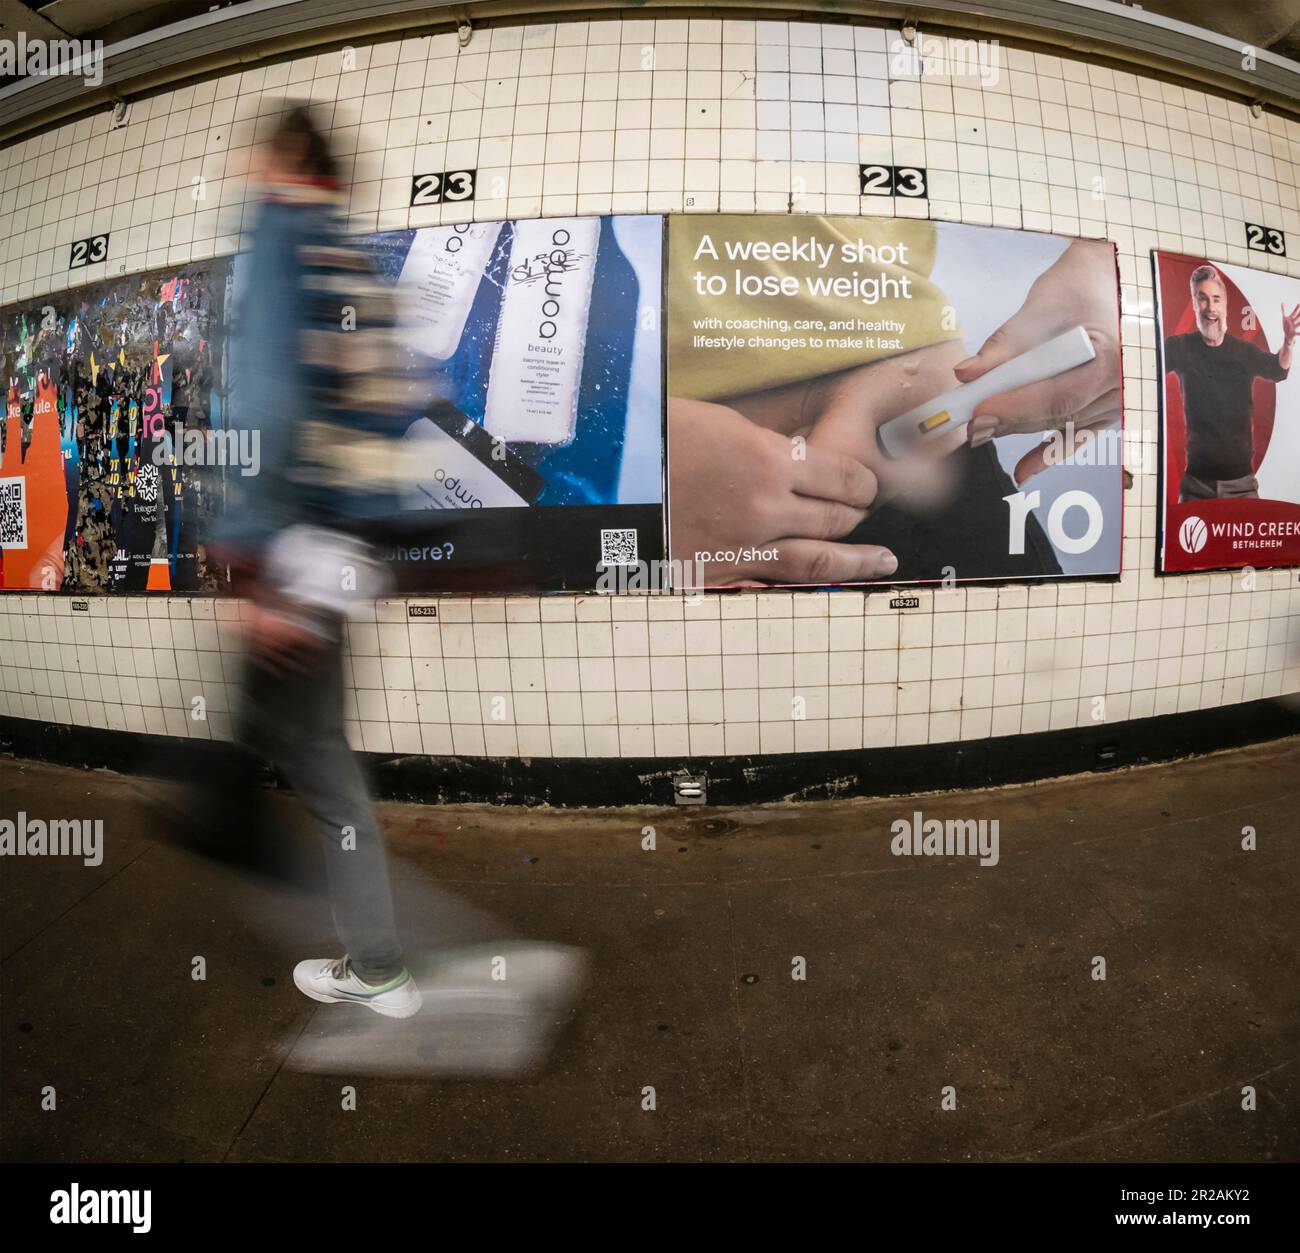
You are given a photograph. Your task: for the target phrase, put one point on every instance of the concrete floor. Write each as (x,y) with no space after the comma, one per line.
(921,973)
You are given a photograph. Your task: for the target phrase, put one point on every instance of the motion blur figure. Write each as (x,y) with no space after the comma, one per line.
(319,372)
(317,380)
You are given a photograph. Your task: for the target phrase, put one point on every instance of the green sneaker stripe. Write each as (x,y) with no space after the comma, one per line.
(377,990)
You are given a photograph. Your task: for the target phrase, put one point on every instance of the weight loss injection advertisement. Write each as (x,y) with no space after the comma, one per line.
(859,400)
(535,348)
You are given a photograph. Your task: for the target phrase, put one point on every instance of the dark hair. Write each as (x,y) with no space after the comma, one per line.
(298,137)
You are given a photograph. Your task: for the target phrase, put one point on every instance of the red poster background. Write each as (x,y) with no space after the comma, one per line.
(1236,531)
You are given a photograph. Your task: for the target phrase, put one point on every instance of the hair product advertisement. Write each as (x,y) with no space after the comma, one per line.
(857,400)
(1229,406)
(534,347)
(849,401)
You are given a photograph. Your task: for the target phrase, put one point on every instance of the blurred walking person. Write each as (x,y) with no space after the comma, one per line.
(317,378)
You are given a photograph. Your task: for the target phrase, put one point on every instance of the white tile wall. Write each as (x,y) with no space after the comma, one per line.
(671,116)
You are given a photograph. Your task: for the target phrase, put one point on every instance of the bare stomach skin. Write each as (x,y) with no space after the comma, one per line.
(842,412)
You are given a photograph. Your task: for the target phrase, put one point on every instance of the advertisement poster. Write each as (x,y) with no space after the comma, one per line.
(108,387)
(858,400)
(534,347)
(1230,403)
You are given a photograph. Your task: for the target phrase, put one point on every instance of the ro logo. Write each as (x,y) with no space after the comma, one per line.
(1020,505)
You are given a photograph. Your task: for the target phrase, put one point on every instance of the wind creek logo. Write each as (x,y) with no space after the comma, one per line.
(103,1205)
(41,58)
(954,837)
(1192,534)
(60,837)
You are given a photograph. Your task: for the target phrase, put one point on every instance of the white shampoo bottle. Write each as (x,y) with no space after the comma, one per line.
(542,331)
(439,280)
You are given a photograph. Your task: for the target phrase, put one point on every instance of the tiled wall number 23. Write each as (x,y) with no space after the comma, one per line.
(88,251)
(449,185)
(1265,239)
(892,180)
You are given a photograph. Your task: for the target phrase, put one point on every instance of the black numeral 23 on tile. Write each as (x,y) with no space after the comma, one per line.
(437,188)
(1265,239)
(88,251)
(892,180)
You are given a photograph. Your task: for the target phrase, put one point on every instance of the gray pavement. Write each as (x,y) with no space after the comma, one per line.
(922,973)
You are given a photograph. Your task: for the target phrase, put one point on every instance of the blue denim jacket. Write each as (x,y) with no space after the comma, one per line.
(318,374)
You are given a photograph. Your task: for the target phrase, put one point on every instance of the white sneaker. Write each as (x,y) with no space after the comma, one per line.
(329,980)
(475,1023)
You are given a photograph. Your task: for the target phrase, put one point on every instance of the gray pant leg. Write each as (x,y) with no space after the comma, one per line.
(1192,488)
(297,718)
(1244,488)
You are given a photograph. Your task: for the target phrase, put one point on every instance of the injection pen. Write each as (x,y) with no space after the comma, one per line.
(936,418)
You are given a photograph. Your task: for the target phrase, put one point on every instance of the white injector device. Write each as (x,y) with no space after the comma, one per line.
(935,418)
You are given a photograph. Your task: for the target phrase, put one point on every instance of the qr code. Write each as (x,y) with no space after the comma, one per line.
(618,547)
(13,513)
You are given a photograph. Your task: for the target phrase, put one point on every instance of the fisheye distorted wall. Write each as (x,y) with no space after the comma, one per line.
(1008,177)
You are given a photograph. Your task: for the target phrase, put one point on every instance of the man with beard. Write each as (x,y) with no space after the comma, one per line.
(1217,373)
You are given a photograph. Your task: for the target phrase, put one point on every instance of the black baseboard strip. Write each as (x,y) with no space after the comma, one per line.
(602,781)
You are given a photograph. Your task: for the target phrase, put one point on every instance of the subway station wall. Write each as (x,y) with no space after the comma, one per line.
(684,118)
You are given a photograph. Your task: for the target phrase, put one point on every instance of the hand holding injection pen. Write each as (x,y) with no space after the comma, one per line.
(936,418)
(1078,289)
